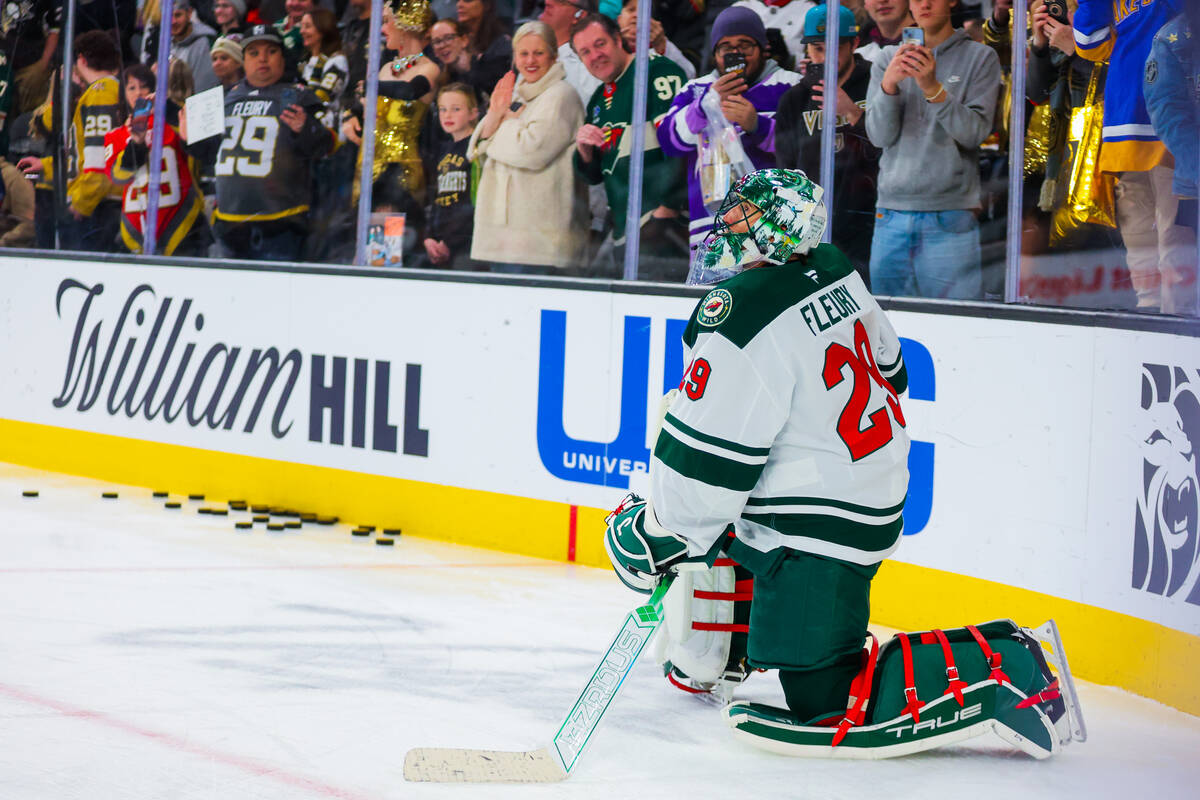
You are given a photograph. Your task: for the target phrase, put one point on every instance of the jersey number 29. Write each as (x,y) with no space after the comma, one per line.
(249,146)
(859,440)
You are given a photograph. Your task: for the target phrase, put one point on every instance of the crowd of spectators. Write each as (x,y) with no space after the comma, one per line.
(503,131)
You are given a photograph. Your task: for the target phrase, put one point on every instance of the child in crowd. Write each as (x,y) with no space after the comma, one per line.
(451,214)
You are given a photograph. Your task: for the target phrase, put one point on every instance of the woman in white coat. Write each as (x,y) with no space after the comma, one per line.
(531,211)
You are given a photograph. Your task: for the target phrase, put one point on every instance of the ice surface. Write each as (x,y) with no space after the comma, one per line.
(147,653)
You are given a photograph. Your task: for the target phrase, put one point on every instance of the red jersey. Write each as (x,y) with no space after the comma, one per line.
(179,202)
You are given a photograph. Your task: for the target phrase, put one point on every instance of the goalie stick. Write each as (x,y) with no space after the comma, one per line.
(555,762)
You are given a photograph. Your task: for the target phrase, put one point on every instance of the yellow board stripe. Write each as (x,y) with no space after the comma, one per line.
(1103,646)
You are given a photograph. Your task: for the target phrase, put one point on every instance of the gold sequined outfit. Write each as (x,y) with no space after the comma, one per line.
(397,127)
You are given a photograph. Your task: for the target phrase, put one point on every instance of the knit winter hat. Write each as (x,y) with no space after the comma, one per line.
(240,7)
(739,21)
(229,47)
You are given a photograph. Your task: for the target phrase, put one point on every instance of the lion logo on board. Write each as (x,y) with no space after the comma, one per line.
(714,308)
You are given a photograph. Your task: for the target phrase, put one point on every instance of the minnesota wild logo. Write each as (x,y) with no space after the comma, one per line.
(714,308)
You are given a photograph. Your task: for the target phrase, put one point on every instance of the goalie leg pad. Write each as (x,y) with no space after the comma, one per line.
(936,687)
(702,642)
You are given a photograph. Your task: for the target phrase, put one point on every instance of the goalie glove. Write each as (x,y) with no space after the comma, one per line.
(640,549)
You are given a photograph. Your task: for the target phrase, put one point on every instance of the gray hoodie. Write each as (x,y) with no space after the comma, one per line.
(930,156)
(193,50)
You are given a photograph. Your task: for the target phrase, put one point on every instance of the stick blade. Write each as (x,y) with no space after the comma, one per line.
(457,765)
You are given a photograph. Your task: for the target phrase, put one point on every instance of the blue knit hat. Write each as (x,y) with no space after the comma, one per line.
(739,21)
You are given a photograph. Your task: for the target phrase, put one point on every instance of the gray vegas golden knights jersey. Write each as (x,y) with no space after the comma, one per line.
(264,169)
(787,423)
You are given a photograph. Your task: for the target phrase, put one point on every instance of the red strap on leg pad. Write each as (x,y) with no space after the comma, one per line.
(913,704)
(993,658)
(1051,692)
(860,688)
(955,686)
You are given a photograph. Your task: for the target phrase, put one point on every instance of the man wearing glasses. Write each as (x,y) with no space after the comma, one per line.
(747,83)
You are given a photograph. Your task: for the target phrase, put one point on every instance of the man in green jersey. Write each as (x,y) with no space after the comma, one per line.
(603,147)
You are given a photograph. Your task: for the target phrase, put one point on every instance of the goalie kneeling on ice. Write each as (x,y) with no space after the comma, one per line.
(933,688)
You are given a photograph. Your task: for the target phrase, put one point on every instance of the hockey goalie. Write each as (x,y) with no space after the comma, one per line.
(776,488)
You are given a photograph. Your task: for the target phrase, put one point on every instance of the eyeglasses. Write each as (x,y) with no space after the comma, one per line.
(745,48)
(441,40)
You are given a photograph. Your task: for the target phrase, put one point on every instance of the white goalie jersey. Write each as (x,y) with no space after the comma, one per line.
(788,422)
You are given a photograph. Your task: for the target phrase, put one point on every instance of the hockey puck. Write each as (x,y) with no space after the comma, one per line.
(257,509)
(29,493)
(327,520)
(308,517)
(219,512)
(368,528)
(292,523)
(385,542)
(162,494)
(172,504)
(203,510)
(109,495)
(195,497)
(237,506)
(243,525)
(274,526)
(237,502)
(391,531)
(261,518)
(358,532)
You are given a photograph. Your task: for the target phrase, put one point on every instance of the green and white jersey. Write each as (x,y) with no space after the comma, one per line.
(788,422)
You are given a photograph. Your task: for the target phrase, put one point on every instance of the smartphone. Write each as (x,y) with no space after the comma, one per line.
(733,62)
(289,97)
(814,74)
(914,35)
(1057,9)
(515,106)
(140,118)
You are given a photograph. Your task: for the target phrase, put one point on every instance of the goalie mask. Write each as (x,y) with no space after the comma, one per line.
(769,215)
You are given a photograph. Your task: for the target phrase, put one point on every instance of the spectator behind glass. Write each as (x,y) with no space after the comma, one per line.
(531,209)
(28,40)
(452,48)
(1161,255)
(264,167)
(230,16)
(182,229)
(602,152)
(887,19)
(561,16)
(227,61)
(294,52)
(191,42)
(749,97)
(798,125)
(355,30)
(93,202)
(785,16)
(16,208)
(659,43)
(406,89)
(1172,90)
(451,217)
(325,70)
(491,50)
(929,108)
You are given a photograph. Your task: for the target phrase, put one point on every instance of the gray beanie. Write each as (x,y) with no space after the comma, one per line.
(240,7)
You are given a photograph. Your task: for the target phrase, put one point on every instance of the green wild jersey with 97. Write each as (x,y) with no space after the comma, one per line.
(788,422)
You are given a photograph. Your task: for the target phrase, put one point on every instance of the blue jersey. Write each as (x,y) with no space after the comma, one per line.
(1121,32)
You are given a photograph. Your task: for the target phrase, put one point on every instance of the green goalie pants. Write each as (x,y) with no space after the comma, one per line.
(808,620)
